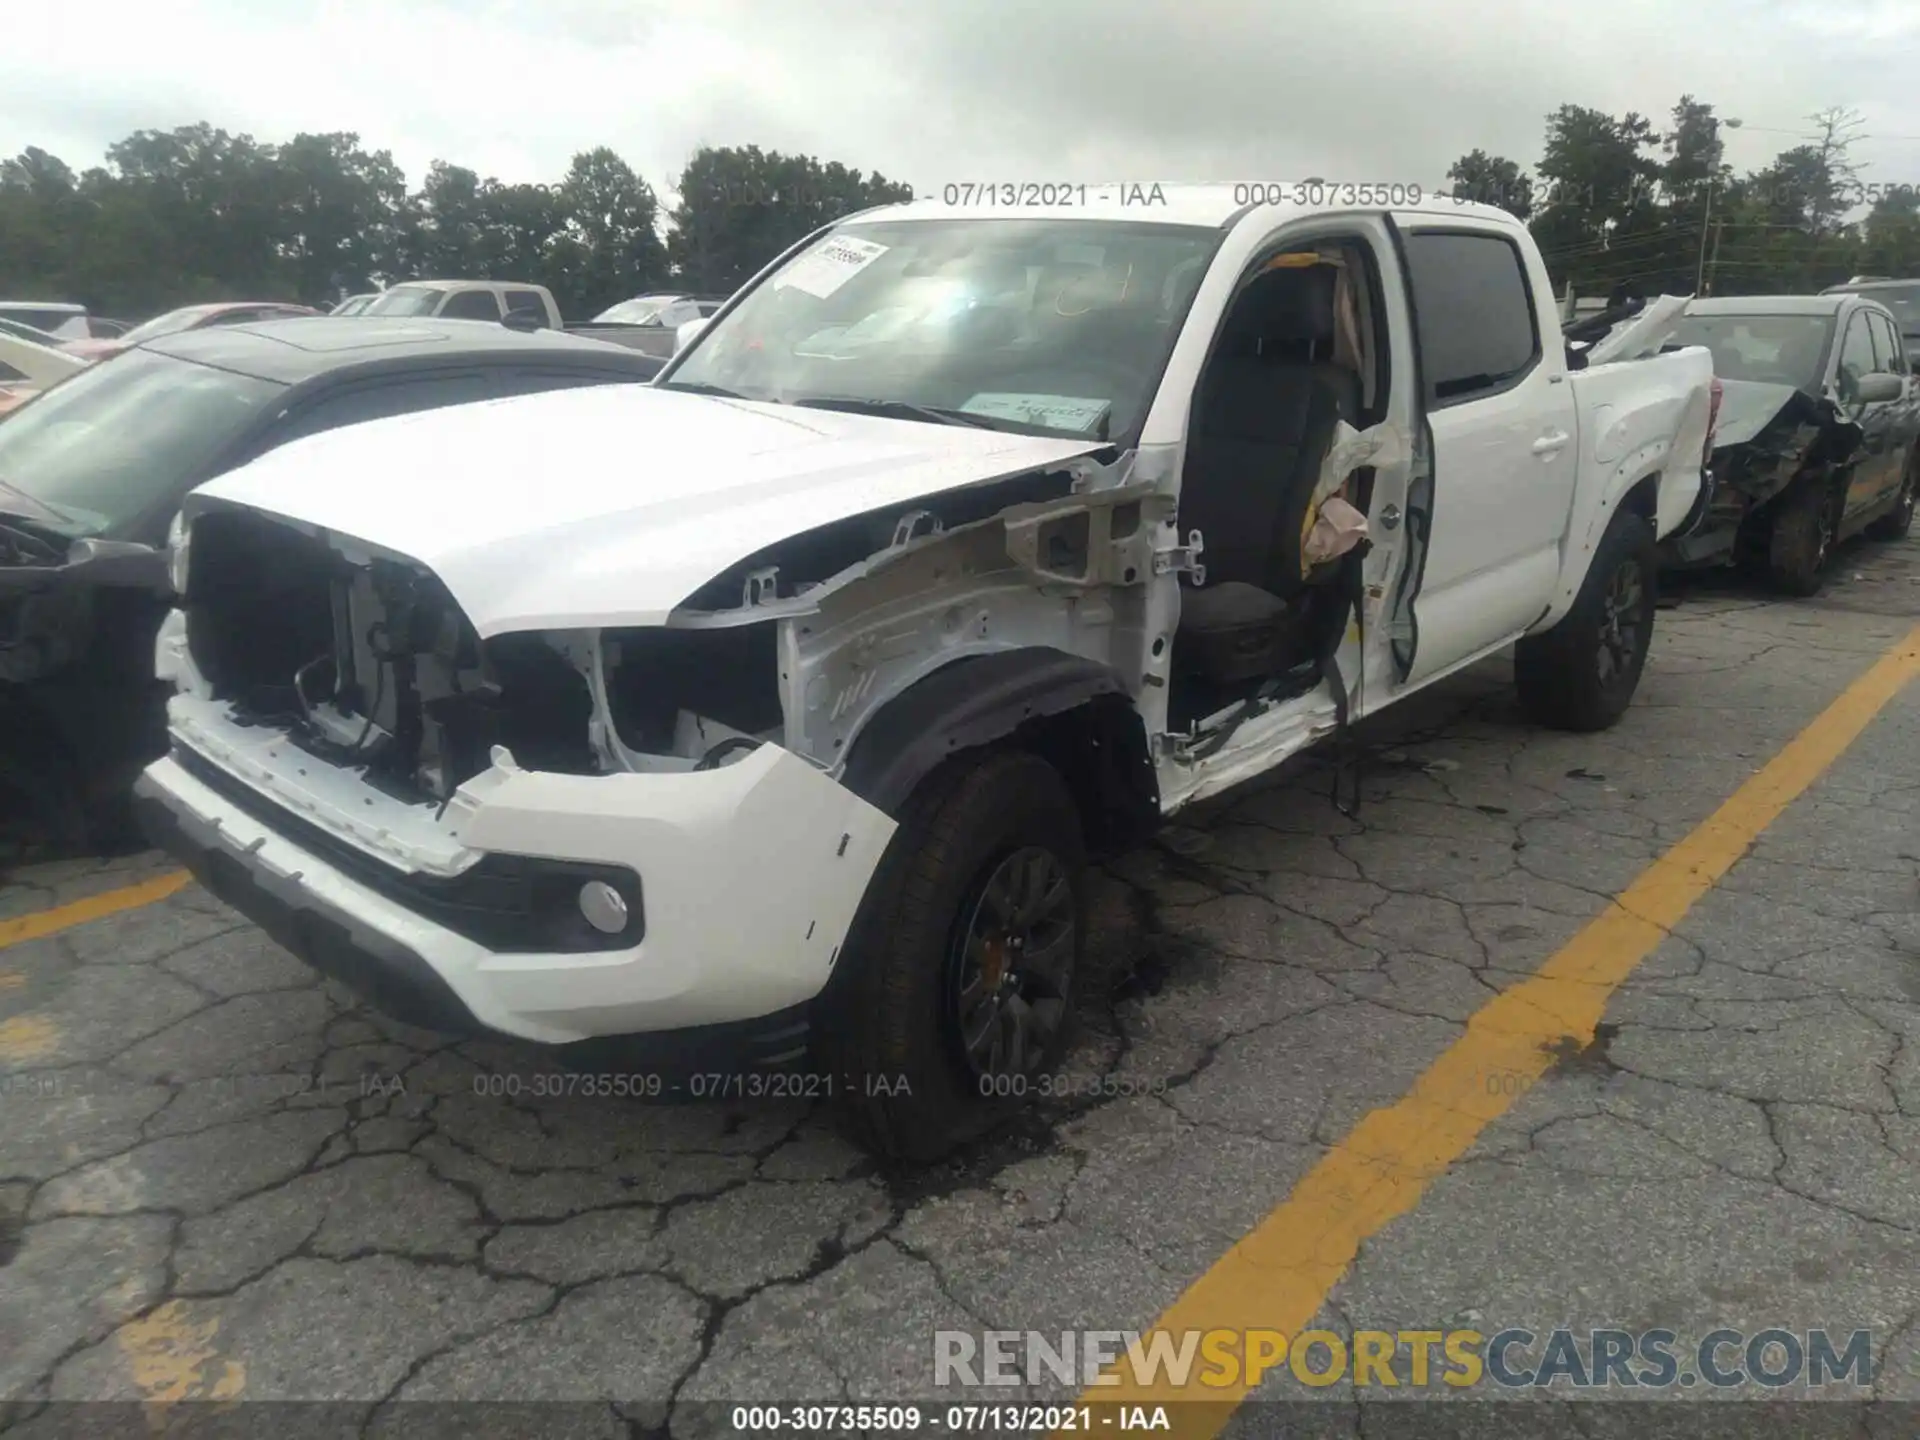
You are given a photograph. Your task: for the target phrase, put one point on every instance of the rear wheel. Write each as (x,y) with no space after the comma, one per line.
(38,771)
(1801,541)
(958,982)
(1895,524)
(1581,674)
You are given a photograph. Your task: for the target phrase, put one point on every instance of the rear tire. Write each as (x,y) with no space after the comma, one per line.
(1801,540)
(1895,524)
(37,767)
(1581,674)
(973,925)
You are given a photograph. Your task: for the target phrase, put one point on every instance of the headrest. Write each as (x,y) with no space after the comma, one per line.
(1288,307)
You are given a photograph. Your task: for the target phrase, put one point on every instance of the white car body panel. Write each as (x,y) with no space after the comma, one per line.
(549,534)
(41,364)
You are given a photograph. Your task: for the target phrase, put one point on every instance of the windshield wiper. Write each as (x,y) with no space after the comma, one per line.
(895,410)
(700,387)
(41,509)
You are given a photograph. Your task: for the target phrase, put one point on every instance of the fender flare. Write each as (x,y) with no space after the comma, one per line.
(971,702)
(1643,465)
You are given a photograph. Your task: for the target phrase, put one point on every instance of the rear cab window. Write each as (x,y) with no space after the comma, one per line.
(1473,313)
(530,302)
(471,305)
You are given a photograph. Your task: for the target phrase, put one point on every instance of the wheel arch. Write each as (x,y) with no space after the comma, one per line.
(1640,496)
(1074,712)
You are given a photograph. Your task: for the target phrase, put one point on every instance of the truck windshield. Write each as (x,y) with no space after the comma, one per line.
(1771,349)
(105,446)
(403,300)
(643,310)
(1046,326)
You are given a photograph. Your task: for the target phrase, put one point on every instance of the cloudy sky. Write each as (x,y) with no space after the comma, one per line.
(939,91)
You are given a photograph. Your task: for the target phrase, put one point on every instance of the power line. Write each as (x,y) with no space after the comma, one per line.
(1643,239)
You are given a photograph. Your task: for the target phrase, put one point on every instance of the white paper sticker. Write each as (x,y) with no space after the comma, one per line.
(1056,412)
(823,271)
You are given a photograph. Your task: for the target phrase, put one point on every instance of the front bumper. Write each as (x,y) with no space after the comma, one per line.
(751,872)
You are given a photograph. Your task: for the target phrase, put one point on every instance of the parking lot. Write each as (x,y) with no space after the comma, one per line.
(221,1179)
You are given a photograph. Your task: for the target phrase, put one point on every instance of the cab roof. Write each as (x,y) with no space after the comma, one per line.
(290,351)
(463,284)
(1774,304)
(1205,206)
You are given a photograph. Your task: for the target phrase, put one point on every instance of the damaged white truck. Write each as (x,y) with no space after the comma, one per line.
(761,722)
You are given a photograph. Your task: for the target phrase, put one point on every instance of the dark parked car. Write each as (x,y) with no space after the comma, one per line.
(93,472)
(1902,297)
(1818,436)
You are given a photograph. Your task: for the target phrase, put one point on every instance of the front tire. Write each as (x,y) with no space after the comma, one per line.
(958,982)
(1581,674)
(1801,541)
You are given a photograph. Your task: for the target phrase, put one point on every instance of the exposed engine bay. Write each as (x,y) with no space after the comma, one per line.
(365,661)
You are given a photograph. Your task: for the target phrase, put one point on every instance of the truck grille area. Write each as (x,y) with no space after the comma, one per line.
(371,664)
(509,904)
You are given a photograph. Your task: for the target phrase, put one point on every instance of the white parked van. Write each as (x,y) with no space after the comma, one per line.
(57,318)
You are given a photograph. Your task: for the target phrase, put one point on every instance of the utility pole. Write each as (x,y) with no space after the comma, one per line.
(1718,226)
(1707,222)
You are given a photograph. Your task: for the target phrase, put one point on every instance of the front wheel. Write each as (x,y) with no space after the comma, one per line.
(958,982)
(1801,540)
(1581,674)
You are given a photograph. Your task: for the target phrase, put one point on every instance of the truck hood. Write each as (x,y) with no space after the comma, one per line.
(610,505)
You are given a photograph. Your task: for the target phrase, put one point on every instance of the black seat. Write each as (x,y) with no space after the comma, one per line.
(1262,425)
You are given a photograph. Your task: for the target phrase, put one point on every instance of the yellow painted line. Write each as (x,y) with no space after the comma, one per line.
(1278,1276)
(25,1038)
(11,980)
(171,1356)
(94,907)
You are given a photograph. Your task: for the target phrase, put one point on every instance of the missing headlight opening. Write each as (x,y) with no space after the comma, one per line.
(367,662)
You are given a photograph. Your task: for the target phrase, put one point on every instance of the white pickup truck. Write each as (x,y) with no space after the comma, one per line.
(761,722)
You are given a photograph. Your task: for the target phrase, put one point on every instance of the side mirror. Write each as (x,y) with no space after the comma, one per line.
(525,321)
(1878,388)
(684,335)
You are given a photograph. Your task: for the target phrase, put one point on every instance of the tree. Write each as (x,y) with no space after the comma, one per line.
(1598,221)
(337,210)
(1696,162)
(452,221)
(612,249)
(1492,180)
(1837,180)
(739,208)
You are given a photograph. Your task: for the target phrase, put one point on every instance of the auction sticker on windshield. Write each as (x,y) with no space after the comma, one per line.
(831,266)
(1056,412)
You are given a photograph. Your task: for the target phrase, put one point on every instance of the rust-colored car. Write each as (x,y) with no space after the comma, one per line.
(188,317)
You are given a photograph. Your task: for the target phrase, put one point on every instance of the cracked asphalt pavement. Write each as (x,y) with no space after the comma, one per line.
(223,1179)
